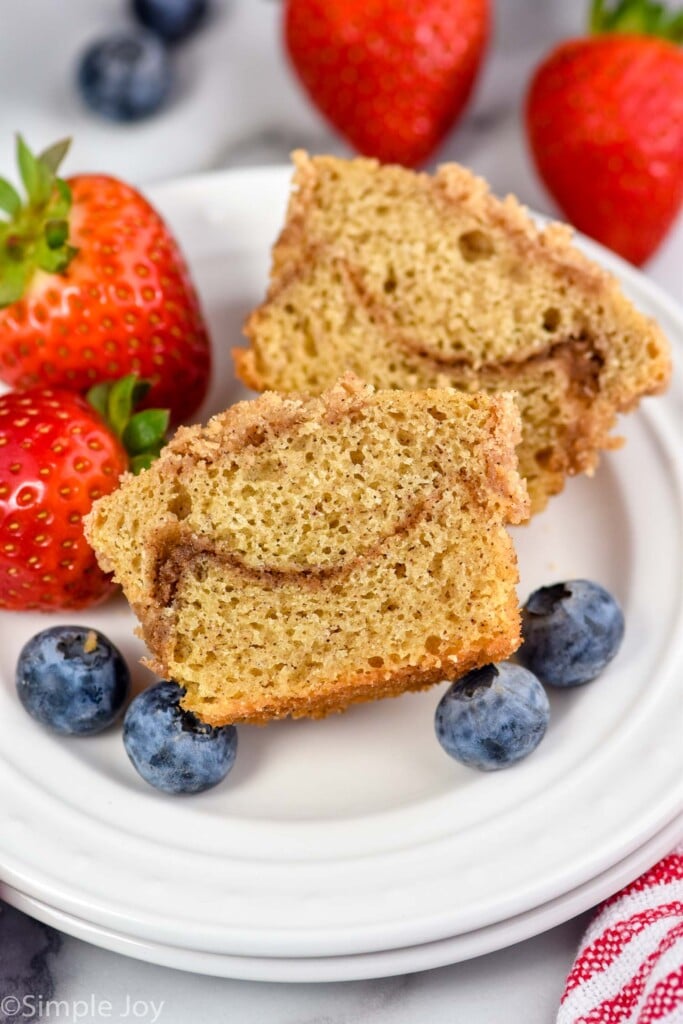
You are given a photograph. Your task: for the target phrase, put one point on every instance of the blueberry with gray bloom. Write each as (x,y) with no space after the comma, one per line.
(171,748)
(570,632)
(125,77)
(172,20)
(493,717)
(72,679)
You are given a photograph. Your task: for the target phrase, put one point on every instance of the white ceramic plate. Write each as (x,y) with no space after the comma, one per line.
(357,834)
(361,966)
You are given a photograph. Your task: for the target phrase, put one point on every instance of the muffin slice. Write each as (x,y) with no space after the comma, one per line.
(414,281)
(299,554)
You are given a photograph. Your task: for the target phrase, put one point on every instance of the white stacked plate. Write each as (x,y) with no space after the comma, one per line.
(353,847)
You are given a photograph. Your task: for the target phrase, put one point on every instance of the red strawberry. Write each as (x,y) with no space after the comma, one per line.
(94,286)
(391,77)
(605,123)
(57,455)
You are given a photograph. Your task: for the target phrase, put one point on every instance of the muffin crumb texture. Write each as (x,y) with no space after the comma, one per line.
(416,281)
(297,554)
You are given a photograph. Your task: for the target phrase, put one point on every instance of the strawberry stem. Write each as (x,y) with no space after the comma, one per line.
(639,17)
(142,434)
(34,234)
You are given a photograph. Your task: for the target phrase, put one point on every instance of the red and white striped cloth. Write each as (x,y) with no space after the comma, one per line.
(629,969)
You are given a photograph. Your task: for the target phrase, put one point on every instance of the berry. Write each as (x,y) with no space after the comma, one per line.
(604,119)
(116,297)
(171,748)
(72,679)
(493,717)
(392,78)
(571,631)
(172,20)
(125,77)
(57,456)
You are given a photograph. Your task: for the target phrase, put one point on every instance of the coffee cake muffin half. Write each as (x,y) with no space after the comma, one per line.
(419,281)
(299,554)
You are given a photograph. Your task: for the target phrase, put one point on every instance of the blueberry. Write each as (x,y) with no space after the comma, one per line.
(126,76)
(171,748)
(173,20)
(570,631)
(72,679)
(493,717)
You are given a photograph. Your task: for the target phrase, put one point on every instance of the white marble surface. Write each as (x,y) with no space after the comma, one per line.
(521,985)
(237,103)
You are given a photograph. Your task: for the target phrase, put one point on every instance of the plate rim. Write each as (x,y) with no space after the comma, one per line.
(366,966)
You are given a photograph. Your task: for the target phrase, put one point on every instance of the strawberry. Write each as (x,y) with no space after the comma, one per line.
(604,119)
(93,286)
(392,78)
(58,455)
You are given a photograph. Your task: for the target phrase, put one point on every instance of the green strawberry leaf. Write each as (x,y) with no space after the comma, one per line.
(639,17)
(53,259)
(46,181)
(120,403)
(54,154)
(61,202)
(28,168)
(143,434)
(140,462)
(56,233)
(145,430)
(676,28)
(12,282)
(37,231)
(98,397)
(37,177)
(10,200)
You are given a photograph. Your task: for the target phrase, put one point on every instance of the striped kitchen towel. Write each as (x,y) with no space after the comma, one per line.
(629,968)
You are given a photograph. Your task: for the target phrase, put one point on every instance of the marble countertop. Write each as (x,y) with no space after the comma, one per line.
(236,103)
